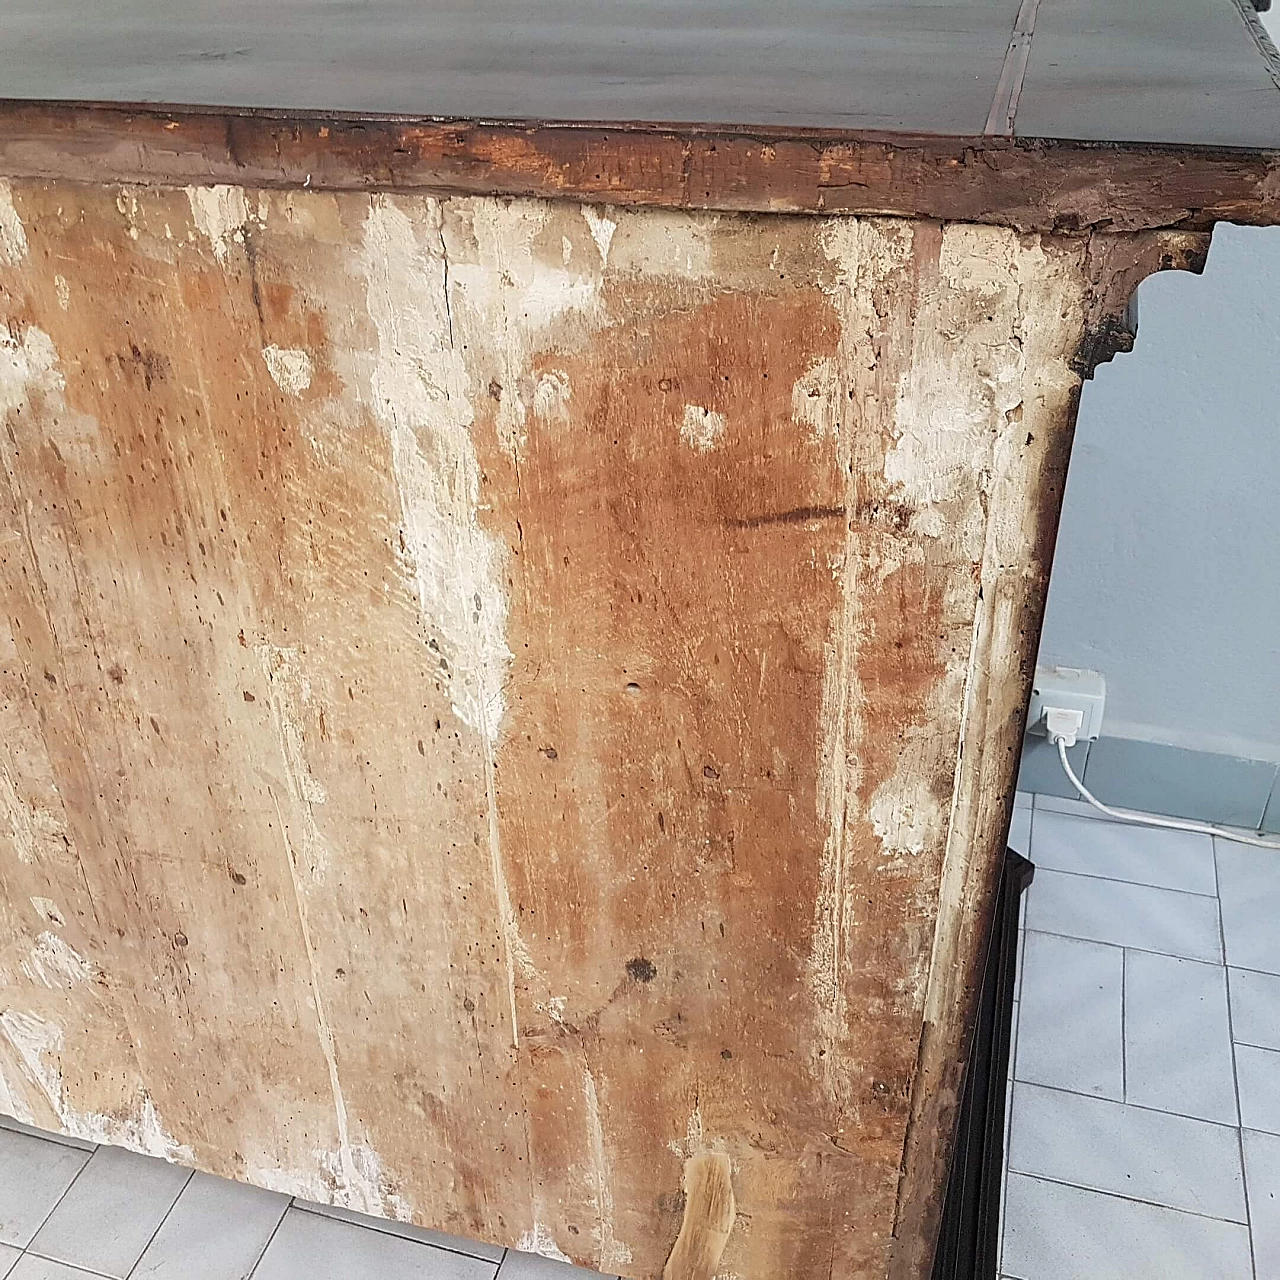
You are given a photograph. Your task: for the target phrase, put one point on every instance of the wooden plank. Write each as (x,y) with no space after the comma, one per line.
(510,708)
(1031,185)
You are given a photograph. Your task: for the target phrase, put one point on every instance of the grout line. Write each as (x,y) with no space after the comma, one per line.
(1273,794)
(257,1262)
(1249,1044)
(85,1271)
(1244,968)
(1136,1106)
(191,1173)
(1126,946)
(1137,884)
(376,1225)
(48,1135)
(54,1207)
(1124,1030)
(1235,1081)
(1115,1195)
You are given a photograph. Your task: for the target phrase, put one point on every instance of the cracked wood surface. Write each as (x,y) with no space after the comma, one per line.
(510,707)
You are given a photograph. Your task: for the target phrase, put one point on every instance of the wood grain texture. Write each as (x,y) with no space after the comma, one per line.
(510,707)
(1028,184)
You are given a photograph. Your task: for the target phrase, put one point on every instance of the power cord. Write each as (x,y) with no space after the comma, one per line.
(1062,727)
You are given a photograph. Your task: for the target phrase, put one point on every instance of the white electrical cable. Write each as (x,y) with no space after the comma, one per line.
(1173,824)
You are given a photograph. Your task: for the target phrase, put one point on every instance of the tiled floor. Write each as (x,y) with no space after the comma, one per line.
(1144,1129)
(69,1211)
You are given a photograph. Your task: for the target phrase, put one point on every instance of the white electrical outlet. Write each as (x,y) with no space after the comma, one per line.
(1071,689)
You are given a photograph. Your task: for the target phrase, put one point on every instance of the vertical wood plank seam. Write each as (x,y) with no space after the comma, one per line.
(1004,106)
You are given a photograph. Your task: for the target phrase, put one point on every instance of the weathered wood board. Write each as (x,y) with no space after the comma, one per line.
(509,707)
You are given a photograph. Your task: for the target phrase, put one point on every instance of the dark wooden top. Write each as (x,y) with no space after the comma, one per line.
(1025,183)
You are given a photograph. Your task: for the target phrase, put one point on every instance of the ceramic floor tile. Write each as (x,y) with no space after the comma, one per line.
(1177,1037)
(1249,887)
(1255,1008)
(529,1266)
(32,1267)
(108,1217)
(1020,832)
(1023,799)
(217,1230)
(1125,915)
(476,1248)
(1262,1177)
(8,1256)
(1126,1150)
(1069,1017)
(34,1175)
(1120,851)
(1258,1074)
(1060,804)
(312,1246)
(1064,1233)
(8,1122)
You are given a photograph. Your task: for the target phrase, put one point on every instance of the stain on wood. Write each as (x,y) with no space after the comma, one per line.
(510,707)
(1030,184)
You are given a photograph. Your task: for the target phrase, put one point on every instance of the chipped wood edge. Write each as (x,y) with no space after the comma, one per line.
(1006,639)
(709,1213)
(1028,184)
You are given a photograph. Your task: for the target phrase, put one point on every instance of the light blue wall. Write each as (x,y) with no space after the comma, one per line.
(1167,576)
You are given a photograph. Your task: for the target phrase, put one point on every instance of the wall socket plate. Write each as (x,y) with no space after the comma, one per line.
(1073,689)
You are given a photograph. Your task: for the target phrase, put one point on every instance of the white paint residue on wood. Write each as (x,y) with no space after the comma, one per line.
(602,229)
(19,817)
(865,253)
(964,373)
(354,1176)
(29,367)
(816,401)
(38,1044)
(905,813)
(503,283)
(290,368)
(700,428)
(422,396)
(611,1254)
(13,235)
(219,213)
(47,909)
(551,398)
(63,290)
(55,964)
(664,242)
(329,1182)
(290,694)
(27,363)
(421,393)
(538,1239)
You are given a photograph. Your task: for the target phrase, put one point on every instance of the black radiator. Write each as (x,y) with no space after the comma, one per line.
(969,1239)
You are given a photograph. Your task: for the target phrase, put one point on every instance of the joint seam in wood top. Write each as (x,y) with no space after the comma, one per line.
(1004,106)
(1261,37)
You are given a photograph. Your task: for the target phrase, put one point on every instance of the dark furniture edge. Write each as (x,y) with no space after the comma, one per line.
(969,1238)
(1029,184)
